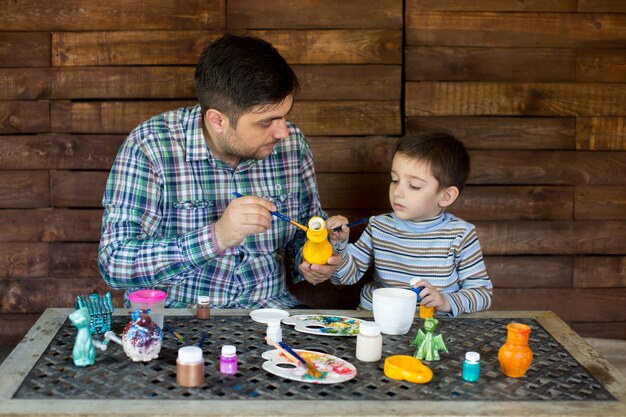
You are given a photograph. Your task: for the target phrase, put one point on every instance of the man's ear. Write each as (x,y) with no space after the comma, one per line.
(216,120)
(449,196)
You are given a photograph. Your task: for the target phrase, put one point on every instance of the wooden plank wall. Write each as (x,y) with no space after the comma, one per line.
(534,88)
(537,91)
(77,75)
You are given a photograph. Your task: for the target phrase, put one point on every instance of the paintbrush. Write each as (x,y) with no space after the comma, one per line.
(354,223)
(201,344)
(286,354)
(309,366)
(280,216)
(175,333)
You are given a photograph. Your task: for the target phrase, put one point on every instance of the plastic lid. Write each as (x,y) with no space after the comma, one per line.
(414,281)
(229,350)
(190,354)
(263,315)
(369,328)
(204,299)
(472,357)
(147,296)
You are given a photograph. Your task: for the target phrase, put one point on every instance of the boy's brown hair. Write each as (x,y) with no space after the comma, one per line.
(447,157)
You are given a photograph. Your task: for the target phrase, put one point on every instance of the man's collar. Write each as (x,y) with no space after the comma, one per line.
(197,148)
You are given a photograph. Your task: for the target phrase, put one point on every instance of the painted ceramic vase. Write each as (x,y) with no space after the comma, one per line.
(317,248)
(142,338)
(515,356)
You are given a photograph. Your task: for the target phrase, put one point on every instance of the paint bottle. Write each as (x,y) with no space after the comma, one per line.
(190,367)
(203,309)
(274,331)
(228,360)
(471,367)
(369,342)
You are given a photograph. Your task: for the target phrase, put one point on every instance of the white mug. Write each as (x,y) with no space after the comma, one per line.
(394,309)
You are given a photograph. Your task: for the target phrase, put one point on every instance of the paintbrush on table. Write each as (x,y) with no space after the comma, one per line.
(283,352)
(174,332)
(309,366)
(201,344)
(280,216)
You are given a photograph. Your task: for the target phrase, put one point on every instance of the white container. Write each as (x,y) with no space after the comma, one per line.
(274,331)
(369,342)
(394,309)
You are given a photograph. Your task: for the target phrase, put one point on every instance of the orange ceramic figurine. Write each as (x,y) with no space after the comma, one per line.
(317,248)
(515,356)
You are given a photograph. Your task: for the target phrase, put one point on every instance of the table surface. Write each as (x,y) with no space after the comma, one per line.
(567,376)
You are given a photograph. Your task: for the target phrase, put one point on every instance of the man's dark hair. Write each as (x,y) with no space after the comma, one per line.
(447,157)
(236,73)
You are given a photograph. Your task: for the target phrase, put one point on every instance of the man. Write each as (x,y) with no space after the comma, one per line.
(171,220)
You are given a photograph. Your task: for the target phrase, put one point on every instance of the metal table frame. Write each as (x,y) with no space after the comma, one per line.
(17,366)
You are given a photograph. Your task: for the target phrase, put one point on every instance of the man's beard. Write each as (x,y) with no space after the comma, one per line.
(226,142)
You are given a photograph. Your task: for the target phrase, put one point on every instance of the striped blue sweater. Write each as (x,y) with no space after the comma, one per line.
(443,251)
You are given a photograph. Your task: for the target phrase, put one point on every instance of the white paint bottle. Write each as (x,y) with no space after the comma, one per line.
(274,331)
(369,342)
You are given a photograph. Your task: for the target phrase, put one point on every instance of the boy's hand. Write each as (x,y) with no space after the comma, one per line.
(343,234)
(431,297)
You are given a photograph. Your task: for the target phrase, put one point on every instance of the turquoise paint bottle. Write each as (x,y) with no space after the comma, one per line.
(471,367)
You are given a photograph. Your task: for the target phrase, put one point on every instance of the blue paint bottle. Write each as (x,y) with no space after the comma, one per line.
(471,367)
(418,290)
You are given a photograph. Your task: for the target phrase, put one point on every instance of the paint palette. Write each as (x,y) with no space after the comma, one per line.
(324,325)
(332,368)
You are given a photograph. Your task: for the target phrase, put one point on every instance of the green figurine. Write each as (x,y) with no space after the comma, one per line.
(428,345)
(84,352)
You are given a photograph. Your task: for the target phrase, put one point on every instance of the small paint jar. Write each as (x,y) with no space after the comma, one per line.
(228,360)
(471,367)
(190,367)
(369,342)
(274,331)
(203,308)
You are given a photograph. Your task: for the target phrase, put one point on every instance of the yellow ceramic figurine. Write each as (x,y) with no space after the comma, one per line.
(407,368)
(317,248)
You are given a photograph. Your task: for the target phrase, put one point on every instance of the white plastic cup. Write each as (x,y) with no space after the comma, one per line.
(149,299)
(394,310)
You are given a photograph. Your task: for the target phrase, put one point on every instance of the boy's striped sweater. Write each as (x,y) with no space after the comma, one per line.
(443,251)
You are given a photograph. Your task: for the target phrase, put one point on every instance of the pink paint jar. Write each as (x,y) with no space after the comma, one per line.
(228,360)
(149,299)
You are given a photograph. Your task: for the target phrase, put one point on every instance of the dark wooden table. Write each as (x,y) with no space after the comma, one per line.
(567,378)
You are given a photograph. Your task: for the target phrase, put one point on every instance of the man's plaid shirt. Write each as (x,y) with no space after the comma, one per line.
(164,194)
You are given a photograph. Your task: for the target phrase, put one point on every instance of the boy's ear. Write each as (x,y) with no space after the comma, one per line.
(216,120)
(449,196)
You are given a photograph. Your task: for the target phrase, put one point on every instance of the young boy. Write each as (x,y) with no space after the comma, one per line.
(419,239)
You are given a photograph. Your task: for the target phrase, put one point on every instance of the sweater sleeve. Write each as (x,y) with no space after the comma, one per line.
(476,289)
